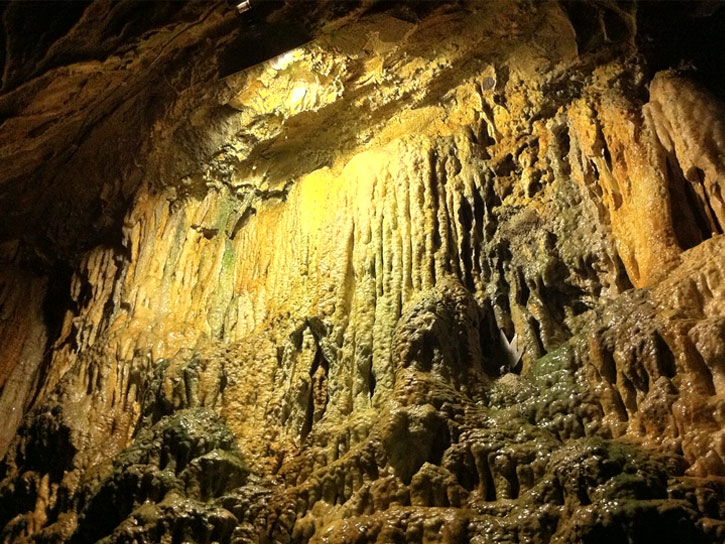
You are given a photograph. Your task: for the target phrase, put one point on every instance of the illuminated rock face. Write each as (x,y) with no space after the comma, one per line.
(301,336)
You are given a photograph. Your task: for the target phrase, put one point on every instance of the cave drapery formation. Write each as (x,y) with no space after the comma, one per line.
(274,307)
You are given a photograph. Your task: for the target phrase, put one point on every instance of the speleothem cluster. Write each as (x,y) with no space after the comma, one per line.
(285,306)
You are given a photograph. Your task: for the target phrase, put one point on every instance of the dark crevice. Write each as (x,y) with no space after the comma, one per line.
(699,369)
(564,142)
(534,184)
(664,357)
(505,167)
(608,369)
(477,236)
(57,301)
(243,220)
(465,218)
(487,479)
(523,292)
(606,153)
(488,335)
(689,220)
(479,210)
(309,414)
(513,480)
(536,330)
(623,281)
(697,177)
(433,186)
(629,397)
(488,114)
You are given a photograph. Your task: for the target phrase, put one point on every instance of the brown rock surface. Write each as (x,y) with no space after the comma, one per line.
(276,307)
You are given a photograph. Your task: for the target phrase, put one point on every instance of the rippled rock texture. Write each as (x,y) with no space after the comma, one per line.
(449,272)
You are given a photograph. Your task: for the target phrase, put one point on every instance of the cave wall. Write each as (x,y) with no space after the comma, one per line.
(277,307)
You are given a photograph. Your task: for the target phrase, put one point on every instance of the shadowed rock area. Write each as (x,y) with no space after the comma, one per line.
(448,272)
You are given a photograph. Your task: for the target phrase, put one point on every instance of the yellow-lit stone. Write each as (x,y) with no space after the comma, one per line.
(305,337)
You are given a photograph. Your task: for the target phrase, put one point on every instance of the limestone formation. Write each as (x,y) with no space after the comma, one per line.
(276,307)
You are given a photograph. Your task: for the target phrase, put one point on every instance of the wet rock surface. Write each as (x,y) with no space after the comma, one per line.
(449,272)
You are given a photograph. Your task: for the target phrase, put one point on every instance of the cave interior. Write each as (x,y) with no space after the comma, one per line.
(362,272)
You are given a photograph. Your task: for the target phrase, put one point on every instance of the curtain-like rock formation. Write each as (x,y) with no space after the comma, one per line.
(280,306)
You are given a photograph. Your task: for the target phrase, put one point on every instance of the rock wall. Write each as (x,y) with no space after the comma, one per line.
(299,327)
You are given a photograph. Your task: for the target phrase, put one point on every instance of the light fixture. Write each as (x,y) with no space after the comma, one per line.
(259,40)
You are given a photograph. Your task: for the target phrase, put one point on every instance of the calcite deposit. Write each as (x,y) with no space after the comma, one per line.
(448,272)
